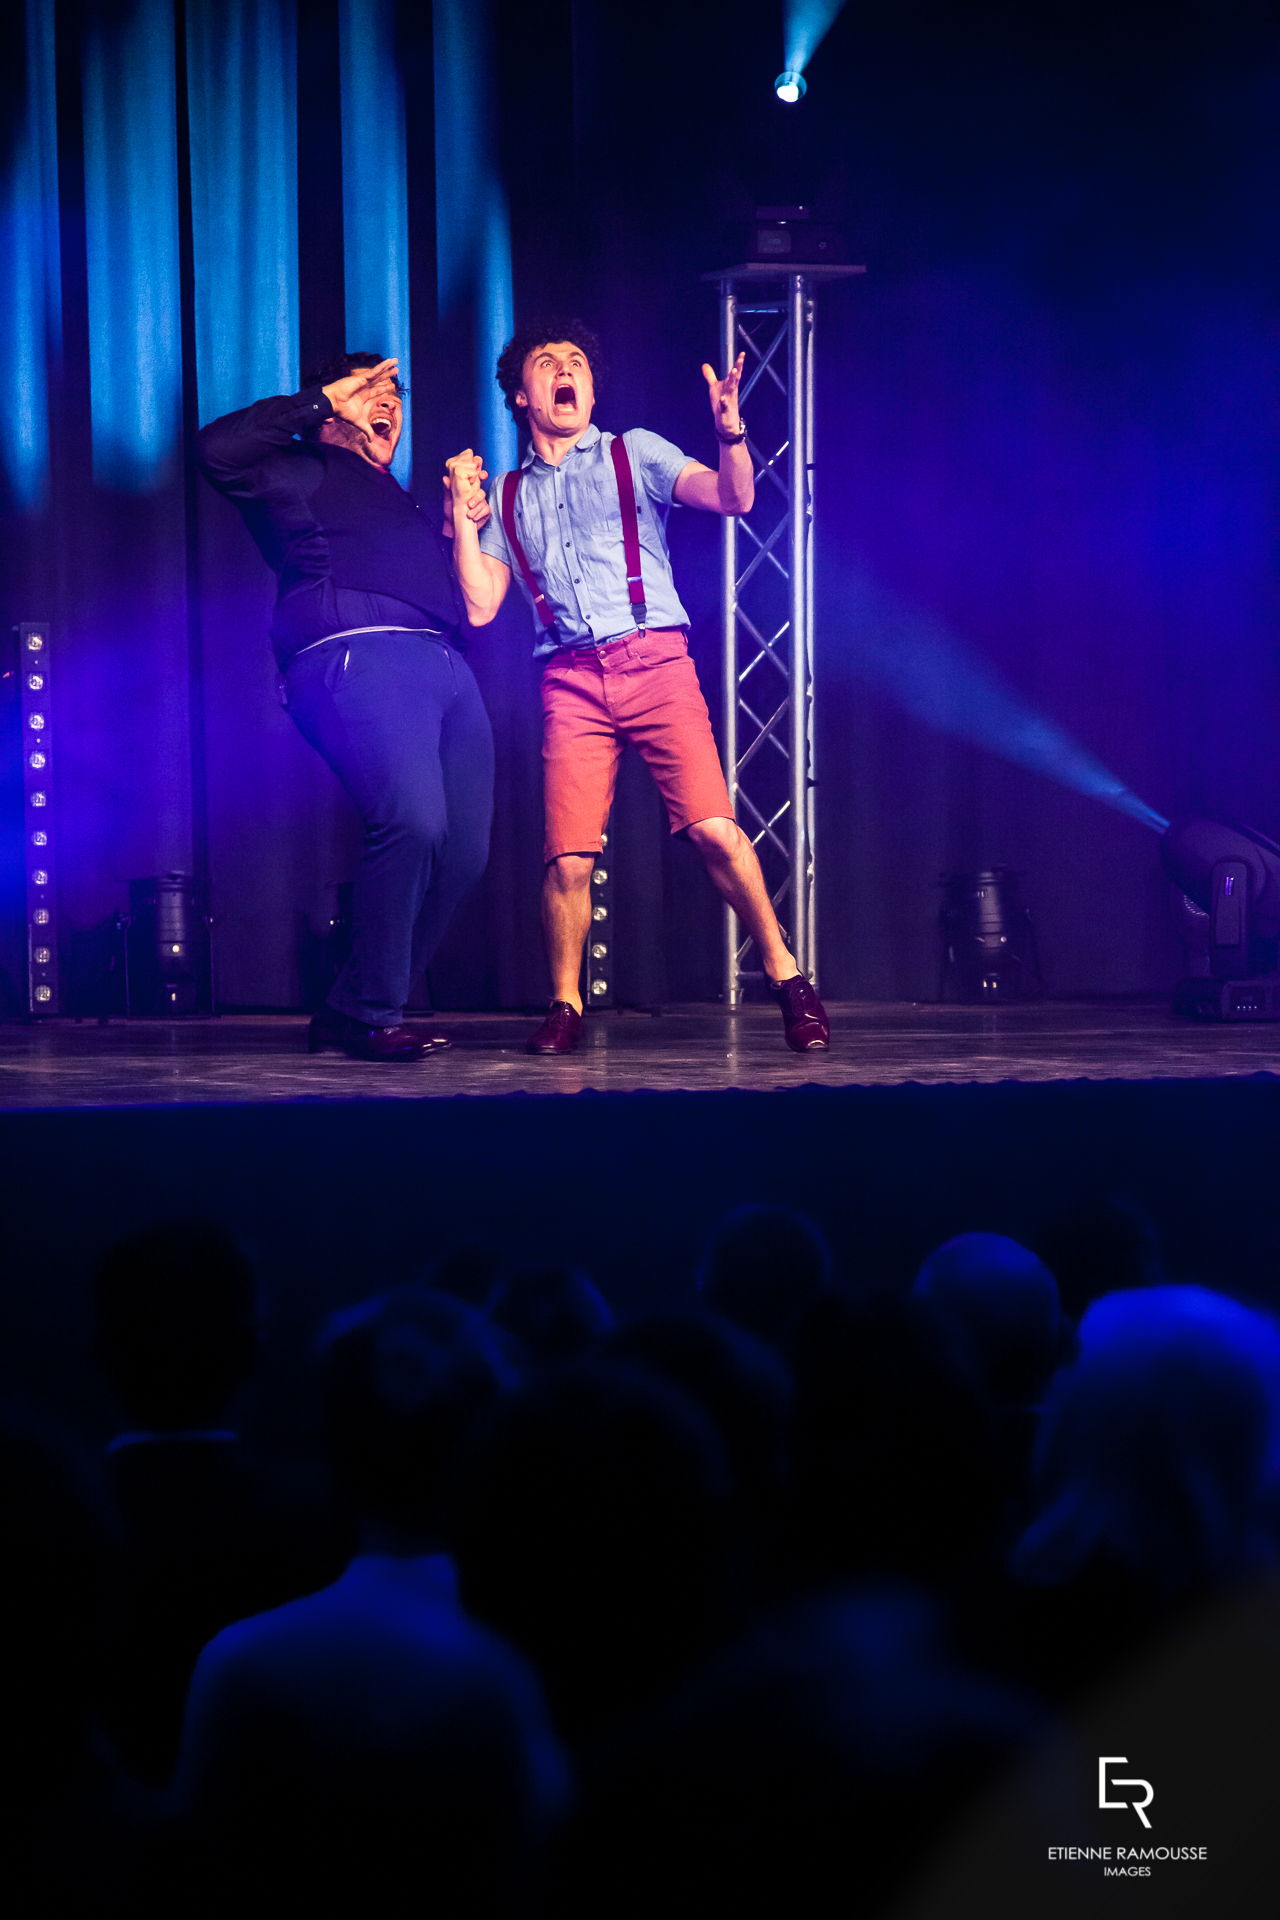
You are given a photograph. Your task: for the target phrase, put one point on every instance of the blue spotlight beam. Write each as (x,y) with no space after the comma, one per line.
(131,233)
(31,311)
(926,672)
(473,237)
(242,99)
(375,192)
(805,25)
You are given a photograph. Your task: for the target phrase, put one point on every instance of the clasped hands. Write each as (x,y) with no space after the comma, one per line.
(464,476)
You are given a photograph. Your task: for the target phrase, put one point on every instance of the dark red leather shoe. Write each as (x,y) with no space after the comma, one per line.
(559,1032)
(804,1018)
(330,1028)
(438,1042)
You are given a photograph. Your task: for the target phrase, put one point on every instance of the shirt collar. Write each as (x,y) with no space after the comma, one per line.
(590,438)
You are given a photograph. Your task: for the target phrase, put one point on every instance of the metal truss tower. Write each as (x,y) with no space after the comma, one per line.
(767,601)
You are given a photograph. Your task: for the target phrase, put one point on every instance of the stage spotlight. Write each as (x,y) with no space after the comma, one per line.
(1228,879)
(169,954)
(804,27)
(989,950)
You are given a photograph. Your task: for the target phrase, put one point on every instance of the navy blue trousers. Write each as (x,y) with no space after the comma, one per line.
(400,720)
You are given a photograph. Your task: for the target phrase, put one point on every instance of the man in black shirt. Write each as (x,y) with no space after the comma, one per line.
(372,673)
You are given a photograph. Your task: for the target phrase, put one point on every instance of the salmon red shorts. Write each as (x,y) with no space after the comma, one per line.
(641,688)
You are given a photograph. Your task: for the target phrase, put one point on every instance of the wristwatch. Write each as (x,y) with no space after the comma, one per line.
(733,439)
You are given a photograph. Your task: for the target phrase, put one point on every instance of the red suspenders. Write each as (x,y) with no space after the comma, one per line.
(630,528)
(630,537)
(510,487)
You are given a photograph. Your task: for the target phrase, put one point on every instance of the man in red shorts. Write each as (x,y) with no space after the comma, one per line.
(583,526)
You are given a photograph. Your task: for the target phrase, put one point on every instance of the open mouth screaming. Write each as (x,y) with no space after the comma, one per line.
(381,425)
(565,395)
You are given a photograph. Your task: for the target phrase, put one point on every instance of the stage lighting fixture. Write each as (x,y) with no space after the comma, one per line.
(168,949)
(598,959)
(1228,910)
(791,237)
(28,724)
(989,951)
(790,87)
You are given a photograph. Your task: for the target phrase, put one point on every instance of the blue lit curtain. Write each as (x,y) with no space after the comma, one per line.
(375,200)
(126,800)
(268,816)
(180,127)
(242,110)
(131,229)
(31,311)
(473,232)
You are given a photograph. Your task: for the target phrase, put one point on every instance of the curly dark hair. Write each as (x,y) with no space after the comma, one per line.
(510,370)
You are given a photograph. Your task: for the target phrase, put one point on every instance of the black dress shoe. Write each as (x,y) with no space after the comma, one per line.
(559,1032)
(329,1028)
(804,1018)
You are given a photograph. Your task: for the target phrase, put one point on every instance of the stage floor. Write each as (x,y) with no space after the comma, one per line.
(238,1058)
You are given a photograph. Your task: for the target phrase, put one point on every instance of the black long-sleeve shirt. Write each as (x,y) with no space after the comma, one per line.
(349,546)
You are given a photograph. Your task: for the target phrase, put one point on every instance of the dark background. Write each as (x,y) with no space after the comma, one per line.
(1044,438)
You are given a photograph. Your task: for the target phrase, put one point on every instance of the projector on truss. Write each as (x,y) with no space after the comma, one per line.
(791,237)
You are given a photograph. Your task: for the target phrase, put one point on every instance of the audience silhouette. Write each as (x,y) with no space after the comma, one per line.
(591,1525)
(999,1304)
(764,1268)
(204,1539)
(708,1610)
(59,1782)
(1154,1477)
(555,1313)
(367,1747)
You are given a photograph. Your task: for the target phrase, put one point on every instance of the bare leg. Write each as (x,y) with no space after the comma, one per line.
(731,861)
(566,921)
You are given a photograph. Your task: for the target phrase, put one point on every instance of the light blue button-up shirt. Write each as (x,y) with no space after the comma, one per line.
(570,524)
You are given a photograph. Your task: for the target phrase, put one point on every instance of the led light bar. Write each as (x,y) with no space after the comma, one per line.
(600,939)
(37,817)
